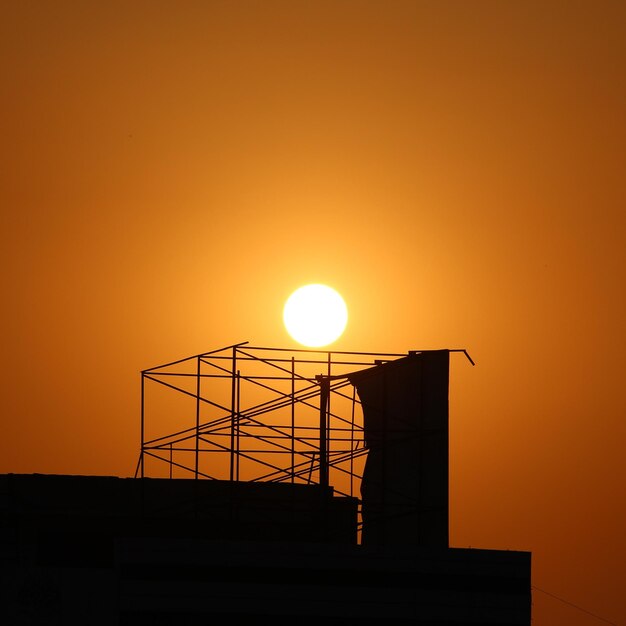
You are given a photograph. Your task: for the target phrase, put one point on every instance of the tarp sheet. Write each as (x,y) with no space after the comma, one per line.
(404,488)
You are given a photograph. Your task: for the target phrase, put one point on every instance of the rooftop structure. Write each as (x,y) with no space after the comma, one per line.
(245,413)
(297,486)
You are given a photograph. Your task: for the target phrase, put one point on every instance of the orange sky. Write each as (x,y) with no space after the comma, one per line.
(171,171)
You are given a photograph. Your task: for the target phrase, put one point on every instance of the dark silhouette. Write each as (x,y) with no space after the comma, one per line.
(404,487)
(283,545)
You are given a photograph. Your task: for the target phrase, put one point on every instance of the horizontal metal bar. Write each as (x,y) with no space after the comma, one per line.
(314,351)
(193,471)
(188,393)
(191,358)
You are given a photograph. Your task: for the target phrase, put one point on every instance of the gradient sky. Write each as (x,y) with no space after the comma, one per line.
(171,171)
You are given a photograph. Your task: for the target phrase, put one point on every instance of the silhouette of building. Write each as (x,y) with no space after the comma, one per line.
(284,494)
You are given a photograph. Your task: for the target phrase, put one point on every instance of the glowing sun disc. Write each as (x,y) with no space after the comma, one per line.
(315,315)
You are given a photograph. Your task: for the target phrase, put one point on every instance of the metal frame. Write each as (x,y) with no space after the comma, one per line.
(257,414)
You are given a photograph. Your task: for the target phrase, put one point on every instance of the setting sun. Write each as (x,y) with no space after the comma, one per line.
(315,315)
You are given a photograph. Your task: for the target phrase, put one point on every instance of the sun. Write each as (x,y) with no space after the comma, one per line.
(315,315)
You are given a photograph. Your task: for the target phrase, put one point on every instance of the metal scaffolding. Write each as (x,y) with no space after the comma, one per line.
(250,413)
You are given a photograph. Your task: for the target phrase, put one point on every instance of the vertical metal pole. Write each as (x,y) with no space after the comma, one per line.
(328,422)
(352,442)
(233,396)
(293,418)
(324,393)
(171,459)
(142,420)
(197,419)
(238,408)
